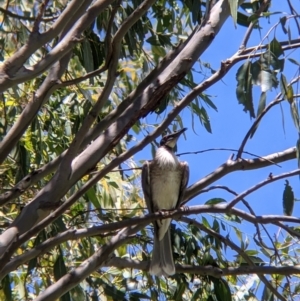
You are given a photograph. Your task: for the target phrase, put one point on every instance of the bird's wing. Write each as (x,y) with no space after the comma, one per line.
(184,182)
(146,185)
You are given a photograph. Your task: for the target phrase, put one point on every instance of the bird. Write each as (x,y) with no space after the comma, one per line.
(164,181)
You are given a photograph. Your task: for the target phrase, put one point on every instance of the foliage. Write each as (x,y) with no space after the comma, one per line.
(85,86)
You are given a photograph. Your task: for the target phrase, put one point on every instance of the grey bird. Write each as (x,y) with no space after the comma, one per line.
(164,181)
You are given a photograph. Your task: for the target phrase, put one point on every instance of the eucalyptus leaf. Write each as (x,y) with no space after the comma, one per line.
(288,199)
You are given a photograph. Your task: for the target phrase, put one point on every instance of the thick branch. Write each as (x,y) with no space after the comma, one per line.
(12,67)
(240,164)
(98,259)
(13,64)
(55,189)
(122,263)
(65,168)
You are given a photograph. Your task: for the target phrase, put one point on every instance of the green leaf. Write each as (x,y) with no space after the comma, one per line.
(262,103)
(233,4)
(215,201)
(238,234)
(59,267)
(251,252)
(216,226)
(179,291)
(202,114)
(205,119)
(267,295)
(92,197)
(295,115)
(244,88)
(208,101)
(112,291)
(260,109)
(59,270)
(88,62)
(290,94)
(283,22)
(196,11)
(276,48)
(153,40)
(77,293)
(159,51)
(298,151)
(163,105)
(205,222)
(97,48)
(222,290)
(288,199)
(243,20)
(197,294)
(294,62)
(6,288)
(283,86)
(31,265)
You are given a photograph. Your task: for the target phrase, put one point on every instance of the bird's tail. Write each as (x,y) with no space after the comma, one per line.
(162,263)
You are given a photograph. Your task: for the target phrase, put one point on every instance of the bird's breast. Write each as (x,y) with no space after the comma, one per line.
(165,185)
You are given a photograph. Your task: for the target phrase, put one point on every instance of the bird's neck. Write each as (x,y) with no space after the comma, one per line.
(165,157)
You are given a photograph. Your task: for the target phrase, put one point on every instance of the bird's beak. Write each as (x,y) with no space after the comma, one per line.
(178,133)
(171,139)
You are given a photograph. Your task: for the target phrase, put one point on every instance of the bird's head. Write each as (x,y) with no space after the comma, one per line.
(171,139)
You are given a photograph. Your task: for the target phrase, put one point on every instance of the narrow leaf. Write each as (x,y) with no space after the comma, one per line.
(294,62)
(244,88)
(215,201)
(298,151)
(205,119)
(283,85)
(295,115)
(275,48)
(6,287)
(233,4)
(261,107)
(288,199)
(222,290)
(267,295)
(282,22)
(262,103)
(290,94)
(208,101)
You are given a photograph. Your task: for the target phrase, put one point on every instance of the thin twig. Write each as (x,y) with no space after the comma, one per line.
(227,149)
(82,78)
(245,40)
(19,17)
(261,184)
(277,100)
(294,12)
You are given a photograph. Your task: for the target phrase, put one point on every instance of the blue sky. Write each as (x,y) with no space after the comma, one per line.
(230,124)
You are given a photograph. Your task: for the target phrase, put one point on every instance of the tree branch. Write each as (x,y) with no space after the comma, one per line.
(216,272)
(240,164)
(234,247)
(13,64)
(98,259)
